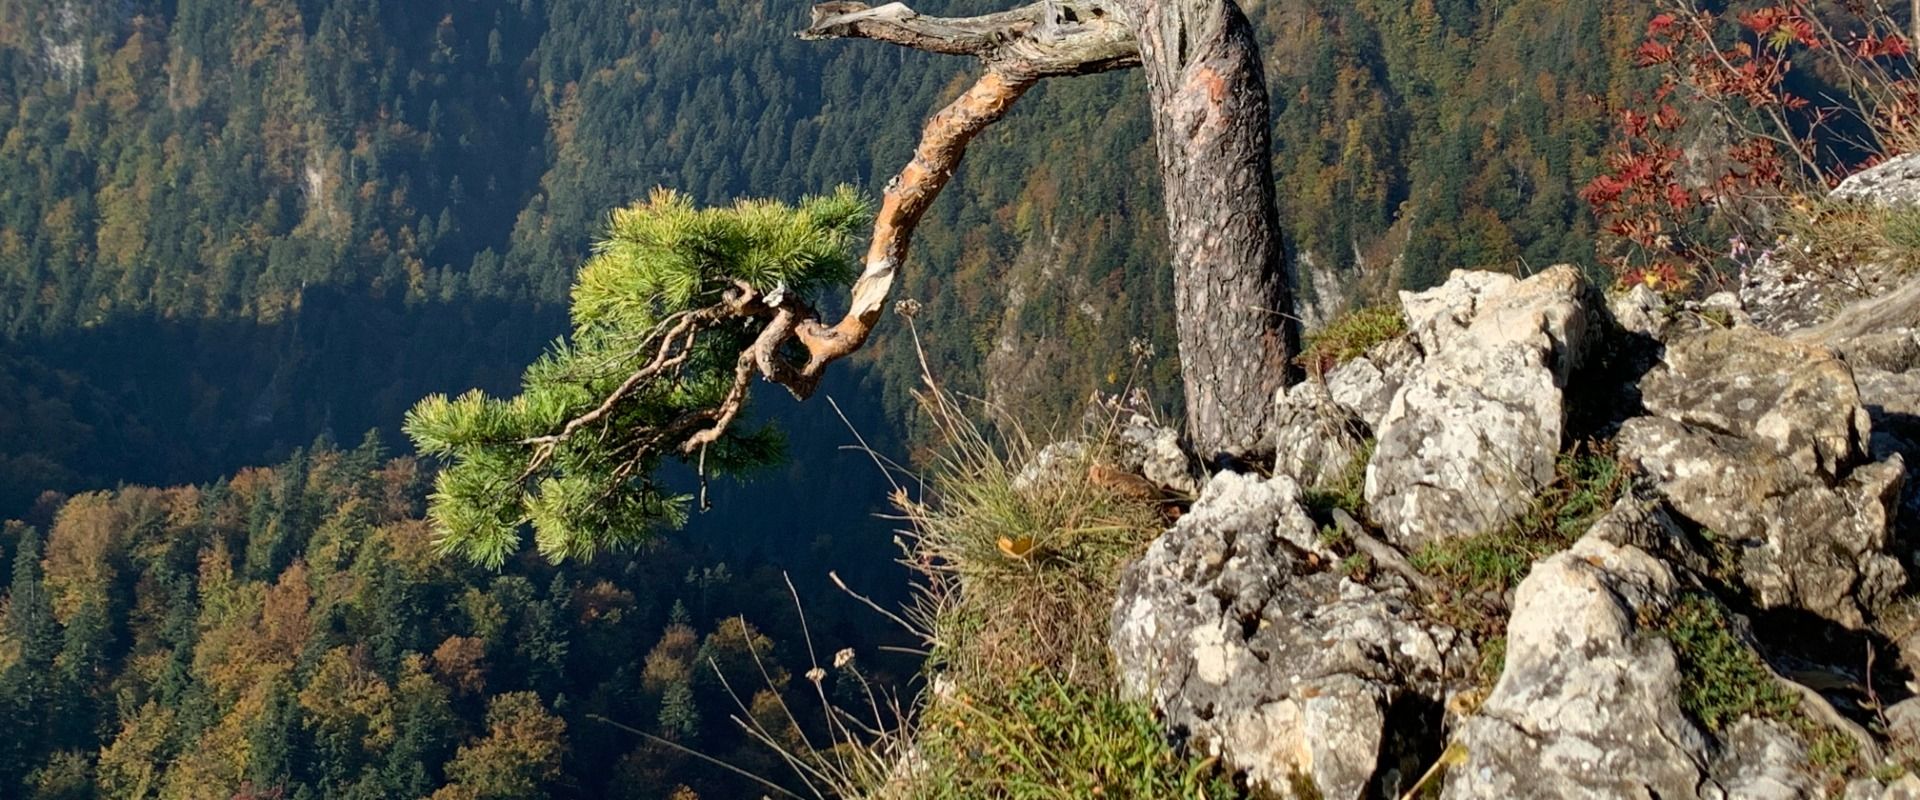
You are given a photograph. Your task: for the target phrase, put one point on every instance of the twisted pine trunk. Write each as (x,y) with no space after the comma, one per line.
(1233,300)
(1209,103)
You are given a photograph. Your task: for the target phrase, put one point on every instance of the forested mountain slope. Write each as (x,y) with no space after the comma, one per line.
(290,633)
(227,228)
(172,163)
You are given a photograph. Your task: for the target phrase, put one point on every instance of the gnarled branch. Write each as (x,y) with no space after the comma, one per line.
(1018,47)
(1055,38)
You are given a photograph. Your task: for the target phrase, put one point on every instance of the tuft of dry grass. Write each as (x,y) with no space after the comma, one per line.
(1018,550)
(1831,240)
(1019,568)
(1350,336)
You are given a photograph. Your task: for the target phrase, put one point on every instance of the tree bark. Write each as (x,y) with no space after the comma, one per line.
(1208,96)
(1233,301)
(1054,38)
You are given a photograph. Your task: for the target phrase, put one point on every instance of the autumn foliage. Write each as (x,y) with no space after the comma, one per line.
(1751,111)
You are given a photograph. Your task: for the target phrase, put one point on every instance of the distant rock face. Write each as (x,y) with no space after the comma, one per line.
(1473,434)
(1239,631)
(1588,704)
(1765,442)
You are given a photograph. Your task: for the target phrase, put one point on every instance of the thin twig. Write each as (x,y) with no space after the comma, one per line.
(696,754)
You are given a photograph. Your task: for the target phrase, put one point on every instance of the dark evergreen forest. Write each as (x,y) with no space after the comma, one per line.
(230,228)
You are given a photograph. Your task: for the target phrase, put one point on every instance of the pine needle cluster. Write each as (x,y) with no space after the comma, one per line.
(651,356)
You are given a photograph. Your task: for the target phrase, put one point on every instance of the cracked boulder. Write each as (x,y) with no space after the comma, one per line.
(1236,628)
(1366,385)
(1790,539)
(1799,402)
(1588,704)
(1316,439)
(1766,443)
(1792,289)
(1893,403)
(1474,433)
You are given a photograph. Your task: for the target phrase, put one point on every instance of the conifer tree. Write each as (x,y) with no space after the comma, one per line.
(31,642)
(30,622)
(680,308)
(674,314)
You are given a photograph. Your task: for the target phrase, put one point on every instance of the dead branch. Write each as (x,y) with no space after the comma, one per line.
(1019,47)
(1052,38)
(1385,555)
(1816,706)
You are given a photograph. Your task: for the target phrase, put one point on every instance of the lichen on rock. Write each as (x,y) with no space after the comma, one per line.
(1249,642)
(1475,431)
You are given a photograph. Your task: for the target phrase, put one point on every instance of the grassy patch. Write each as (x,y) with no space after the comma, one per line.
(1586,484)
(1723,680)
(1021,574)
(1018,577)
(1348,493)
(1350,336)
(1493,660)
(1834,236)
(1043,738)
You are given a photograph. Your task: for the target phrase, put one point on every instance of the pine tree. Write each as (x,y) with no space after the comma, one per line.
(679,717)
(30,621)
(271,743)
(665,315)
(26,684)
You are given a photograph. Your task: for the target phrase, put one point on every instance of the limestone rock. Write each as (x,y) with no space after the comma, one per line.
(1797,541)
(1906,787)
(1053,463)
(1154,451)
(1248,642)
(1474,433)
(1789,289)
(1761,760)
(1649,525)
(1887,351)
(1766,443)
(1316,439)
(1893,403)
(1798,400)
(1903,722)
(1588,704)
(1640,310)
(1895,181)
(1366,385)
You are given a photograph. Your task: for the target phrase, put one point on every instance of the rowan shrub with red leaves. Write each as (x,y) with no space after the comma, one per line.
(1755,111)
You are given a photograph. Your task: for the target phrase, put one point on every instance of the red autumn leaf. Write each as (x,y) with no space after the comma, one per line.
(1678,197)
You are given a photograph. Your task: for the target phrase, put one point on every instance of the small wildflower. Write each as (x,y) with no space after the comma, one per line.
(843,658)
(816,675)
(907,308)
